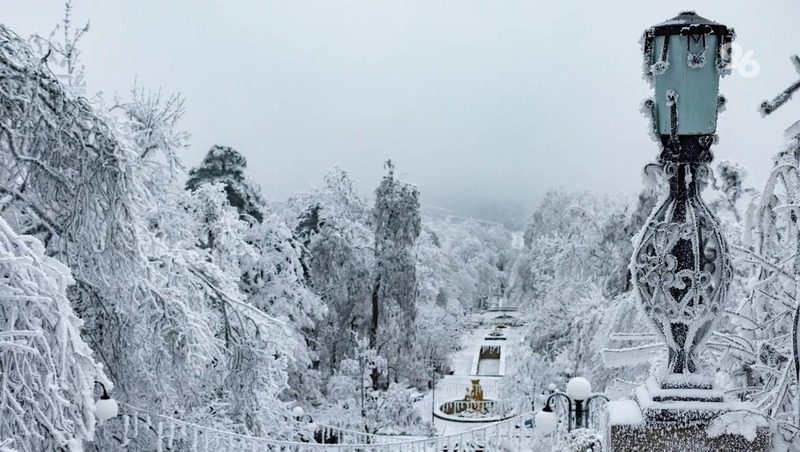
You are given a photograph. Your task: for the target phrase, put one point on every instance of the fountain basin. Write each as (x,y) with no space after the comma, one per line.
(474,411)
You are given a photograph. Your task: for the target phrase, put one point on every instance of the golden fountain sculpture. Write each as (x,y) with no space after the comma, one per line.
(475,395)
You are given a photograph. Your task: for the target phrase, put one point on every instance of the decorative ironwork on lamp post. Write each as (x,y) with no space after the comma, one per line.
(680,266)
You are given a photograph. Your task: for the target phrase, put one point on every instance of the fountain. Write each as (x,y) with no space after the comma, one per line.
(474,407)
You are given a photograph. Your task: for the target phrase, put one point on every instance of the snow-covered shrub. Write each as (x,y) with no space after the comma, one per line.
(580,440)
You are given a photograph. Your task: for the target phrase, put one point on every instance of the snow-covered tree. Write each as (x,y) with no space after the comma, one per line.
(440,312)
(571,281)
(759,345)
(356,404)
(463,260)
(275,282)
(337,258)
(153,126)
(48,371)
(462,265)
(225,165)
(275,278)
(163,310)
(393,300)
(729,182)
(64,51)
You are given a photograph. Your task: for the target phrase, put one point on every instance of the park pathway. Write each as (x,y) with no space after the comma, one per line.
(466,367)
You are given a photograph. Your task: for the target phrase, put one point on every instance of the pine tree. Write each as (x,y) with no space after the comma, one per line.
(225,165)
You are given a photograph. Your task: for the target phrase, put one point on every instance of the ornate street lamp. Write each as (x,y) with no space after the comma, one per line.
(578,397)
(680,266)
(307,422)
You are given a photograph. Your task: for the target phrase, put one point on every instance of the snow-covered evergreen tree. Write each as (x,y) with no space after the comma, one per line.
(225,165)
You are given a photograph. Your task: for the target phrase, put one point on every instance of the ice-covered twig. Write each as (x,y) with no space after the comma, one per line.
(768,107)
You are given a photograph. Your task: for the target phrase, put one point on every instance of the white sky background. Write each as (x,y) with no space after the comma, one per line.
(483,104)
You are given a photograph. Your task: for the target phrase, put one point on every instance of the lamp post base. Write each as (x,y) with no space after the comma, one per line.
(687,404)
(687,381)
(681,438)
(681,427)
(679,388)
(682,420)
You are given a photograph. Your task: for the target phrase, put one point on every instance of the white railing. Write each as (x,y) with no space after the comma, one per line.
(502,309)
(487,407)
(164,433)
(349,436)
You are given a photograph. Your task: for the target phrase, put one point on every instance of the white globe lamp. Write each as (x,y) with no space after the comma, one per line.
(546,421)
(105,408)
(579,389)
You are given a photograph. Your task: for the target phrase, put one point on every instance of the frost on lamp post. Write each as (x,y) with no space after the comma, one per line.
(680,266)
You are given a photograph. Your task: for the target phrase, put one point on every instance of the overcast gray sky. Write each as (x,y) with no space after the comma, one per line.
(485,103)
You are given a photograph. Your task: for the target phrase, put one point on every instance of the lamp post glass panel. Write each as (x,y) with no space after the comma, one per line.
(680,265)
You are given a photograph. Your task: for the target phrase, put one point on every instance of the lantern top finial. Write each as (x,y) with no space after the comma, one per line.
(688,19)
